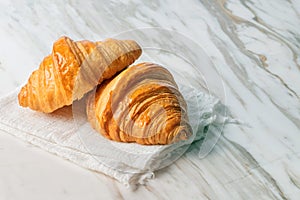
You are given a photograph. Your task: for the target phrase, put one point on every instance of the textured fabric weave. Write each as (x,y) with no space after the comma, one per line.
(131,164)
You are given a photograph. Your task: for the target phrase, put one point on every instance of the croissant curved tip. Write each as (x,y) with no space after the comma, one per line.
(184,133)
(134,44)
(22,96)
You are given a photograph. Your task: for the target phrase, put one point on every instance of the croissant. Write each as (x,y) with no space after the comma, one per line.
(73,69)
(142,104)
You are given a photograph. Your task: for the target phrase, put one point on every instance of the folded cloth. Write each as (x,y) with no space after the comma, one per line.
(66,134)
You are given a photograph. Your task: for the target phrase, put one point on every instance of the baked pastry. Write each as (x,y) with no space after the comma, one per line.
(142,104)
(73,69)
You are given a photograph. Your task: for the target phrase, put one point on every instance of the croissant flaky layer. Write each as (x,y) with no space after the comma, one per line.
(142,104)
(73,69)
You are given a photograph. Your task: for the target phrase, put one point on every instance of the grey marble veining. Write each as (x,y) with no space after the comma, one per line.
(255,47)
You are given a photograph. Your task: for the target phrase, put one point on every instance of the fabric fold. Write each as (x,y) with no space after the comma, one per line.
(129,163)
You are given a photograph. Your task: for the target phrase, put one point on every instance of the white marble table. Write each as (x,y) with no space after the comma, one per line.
(254,44)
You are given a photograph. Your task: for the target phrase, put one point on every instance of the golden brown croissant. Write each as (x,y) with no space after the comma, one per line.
(73,69)
(142,104)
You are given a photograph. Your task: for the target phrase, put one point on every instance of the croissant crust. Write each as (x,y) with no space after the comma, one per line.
(142,104)
(73,69)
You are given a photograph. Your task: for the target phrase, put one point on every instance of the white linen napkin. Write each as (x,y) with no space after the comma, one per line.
(74,139)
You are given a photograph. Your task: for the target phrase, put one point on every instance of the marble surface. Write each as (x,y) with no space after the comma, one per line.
(255,46)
